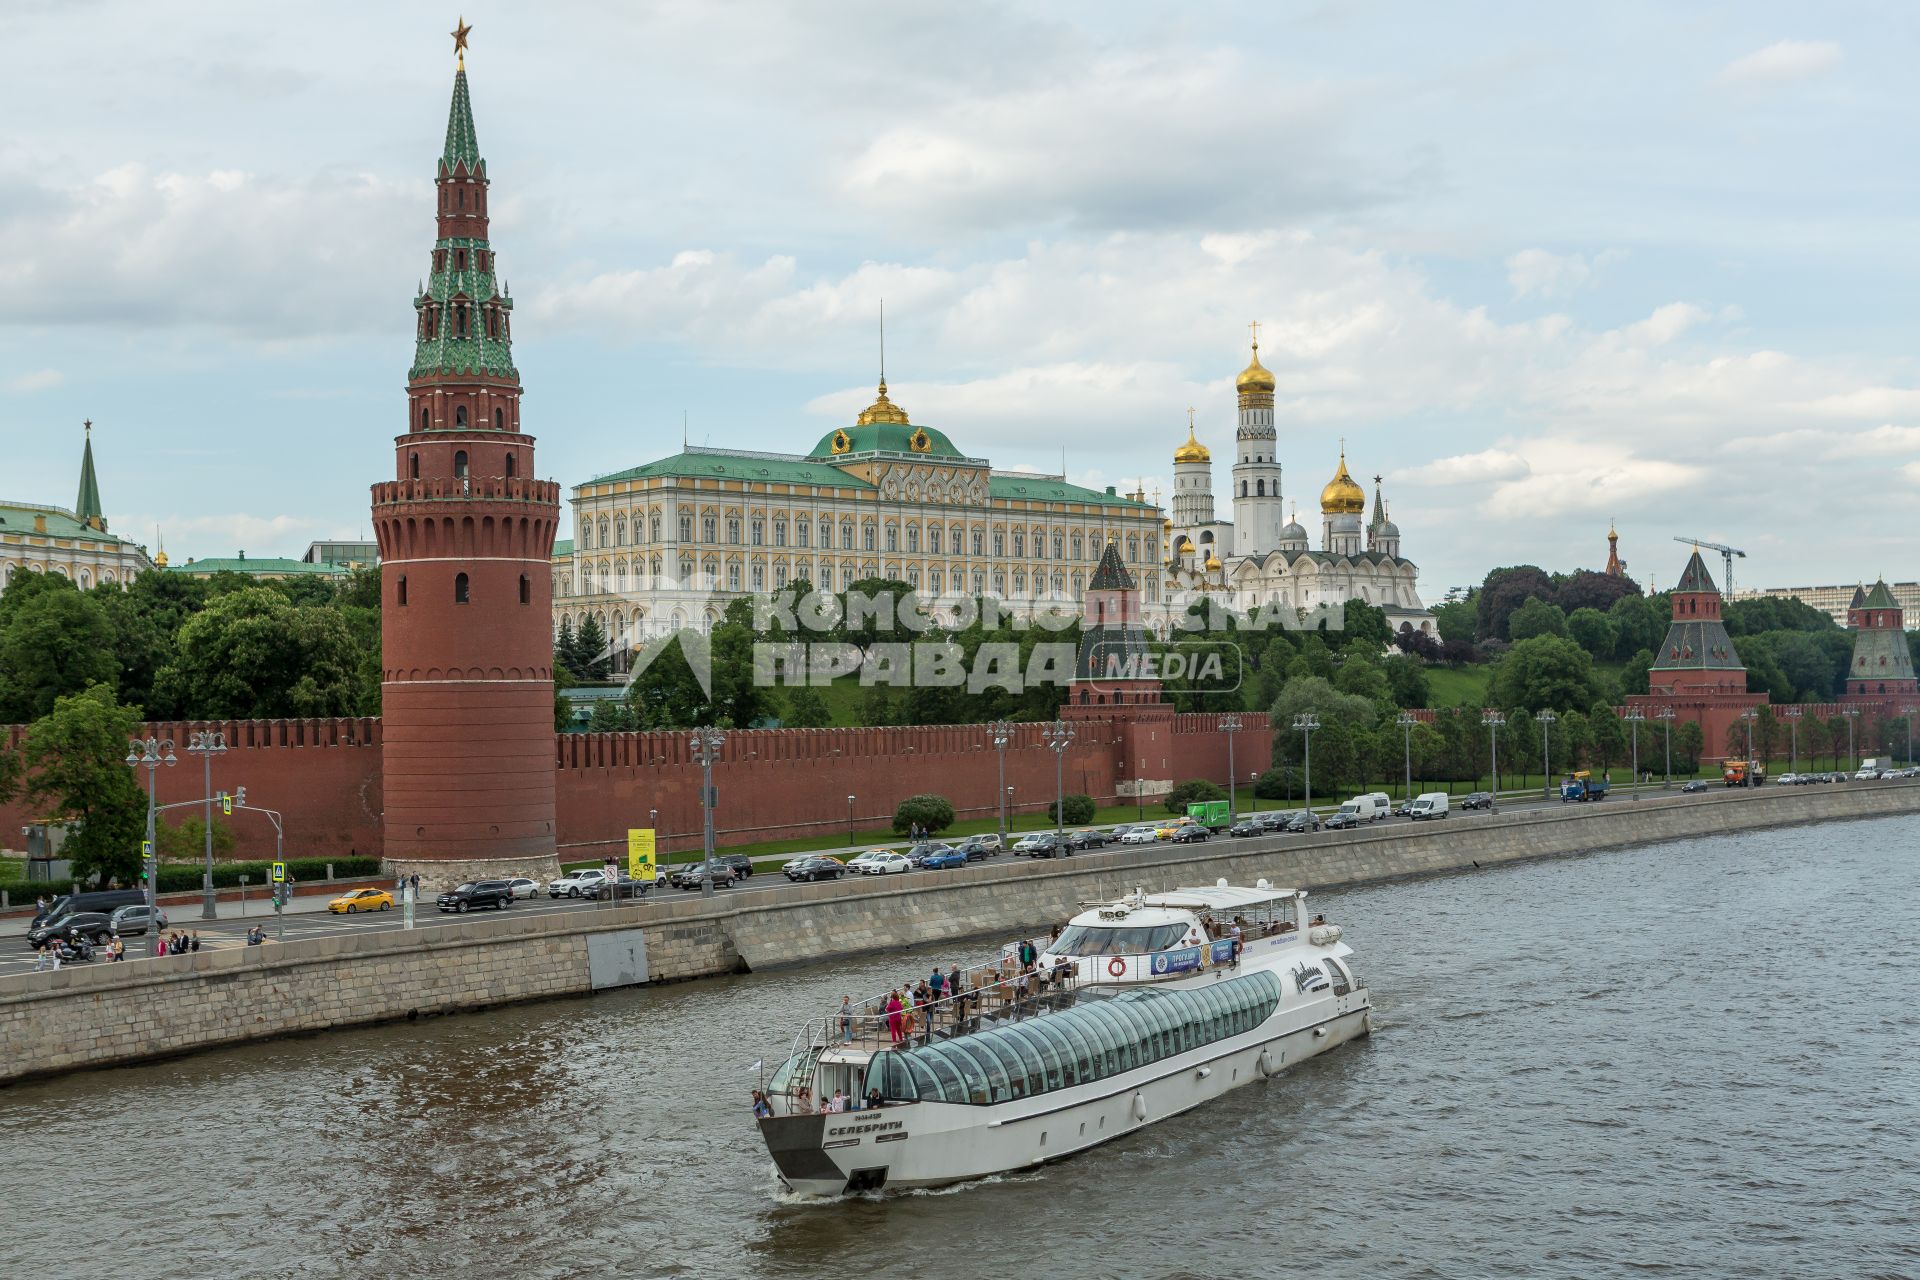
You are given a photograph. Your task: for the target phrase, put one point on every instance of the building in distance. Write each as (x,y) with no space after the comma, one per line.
(72,542)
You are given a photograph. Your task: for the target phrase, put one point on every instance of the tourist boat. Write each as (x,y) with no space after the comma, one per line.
(1137,1010)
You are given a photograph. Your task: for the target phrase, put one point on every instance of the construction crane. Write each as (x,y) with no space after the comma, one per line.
(1726,559)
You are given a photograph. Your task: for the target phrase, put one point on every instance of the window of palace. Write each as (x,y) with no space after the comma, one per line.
(709,529)
(999,544)
(976,541)
(1059,584)
(620,531)
(1019,582)
(1019,544)
(733,577)
(913,578)
(933,580)
(779,533)
(979,582)
(653,528)
(758,577)
(913,538)
(893,539)
(1076,548)
(801,530)
(1133,547)
(779,576)
(846,536)
(866,537)
(686,528)
(603,532)
(933,539)
(1059,544)
(710,575)
(999,583)
(686,570)
(733,530)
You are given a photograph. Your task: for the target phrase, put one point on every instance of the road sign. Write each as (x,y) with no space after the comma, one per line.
(640,854)
(279,873)
(146,848)
(226,803)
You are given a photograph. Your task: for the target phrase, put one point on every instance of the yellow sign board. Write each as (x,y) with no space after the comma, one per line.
(279,875)
(640,854)
(226,804)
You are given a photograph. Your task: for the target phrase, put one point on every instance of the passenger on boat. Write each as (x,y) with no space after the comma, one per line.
(894,1017)
(1319,919)
(1237,940)
(846,1019)
(839,1102)
(761,1107)
(873,1099)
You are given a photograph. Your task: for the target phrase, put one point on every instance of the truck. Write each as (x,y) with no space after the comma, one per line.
(1581,787)
(1743,773)
(1209,813)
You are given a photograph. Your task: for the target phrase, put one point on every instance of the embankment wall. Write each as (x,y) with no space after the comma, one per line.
(100,1015)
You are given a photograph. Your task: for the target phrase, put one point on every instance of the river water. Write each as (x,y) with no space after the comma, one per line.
(1698,1058)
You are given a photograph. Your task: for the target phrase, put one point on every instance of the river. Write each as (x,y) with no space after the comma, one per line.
(1693,1058)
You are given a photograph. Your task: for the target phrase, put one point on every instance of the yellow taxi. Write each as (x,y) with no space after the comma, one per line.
(360,900)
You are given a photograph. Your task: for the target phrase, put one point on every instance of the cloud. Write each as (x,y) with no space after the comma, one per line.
(1469,468)
(1538,273)
(1665,324)
(38,380)
(1782,63)
(269,258)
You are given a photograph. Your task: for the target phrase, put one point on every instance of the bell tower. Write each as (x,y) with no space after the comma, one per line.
(466,533)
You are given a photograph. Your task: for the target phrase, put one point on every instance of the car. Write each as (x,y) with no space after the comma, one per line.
(1091,838)
(619,887)
(133,920)
(526,887)
(1246,827)
(574,884)
(94,926)
(1342,820)
(813,868)
(1027,844)
(1788,780)
(978,847)
(1051,846)
(919,853)
(1404,809)
(1304,820)
(104,901)
(354,900)
(860,860)
(1140,835)
(1478,800)
(742,865)
(1191,833)
(945,860)
(1696,785)
(881,863)
(694,874)
(480,893)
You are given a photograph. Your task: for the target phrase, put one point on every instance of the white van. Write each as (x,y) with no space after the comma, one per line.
(1367,808)
(1430,804)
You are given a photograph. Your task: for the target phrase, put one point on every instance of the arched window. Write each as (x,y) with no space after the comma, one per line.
(510,467)
(460,464)
(459,259)
(425,420)
(413,467)
(460,416)
(500,424)
(526,590)
(1259,488)
(400,589)
(460,588)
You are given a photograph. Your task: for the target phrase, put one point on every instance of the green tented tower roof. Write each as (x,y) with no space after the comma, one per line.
(87,505)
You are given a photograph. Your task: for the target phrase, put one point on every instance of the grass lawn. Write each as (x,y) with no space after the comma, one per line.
(1457,686)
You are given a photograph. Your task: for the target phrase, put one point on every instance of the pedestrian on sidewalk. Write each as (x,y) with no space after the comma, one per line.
(193,944)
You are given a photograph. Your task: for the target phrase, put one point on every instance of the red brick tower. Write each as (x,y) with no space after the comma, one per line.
(1114,680)
(1697,672)
(1882,665)
(465,536)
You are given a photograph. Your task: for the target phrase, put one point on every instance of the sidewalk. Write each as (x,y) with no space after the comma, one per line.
(184,915)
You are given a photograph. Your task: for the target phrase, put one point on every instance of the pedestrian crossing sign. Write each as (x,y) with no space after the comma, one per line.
(279,874)
(640,848)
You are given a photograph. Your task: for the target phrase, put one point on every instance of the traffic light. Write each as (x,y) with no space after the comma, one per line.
(240,796)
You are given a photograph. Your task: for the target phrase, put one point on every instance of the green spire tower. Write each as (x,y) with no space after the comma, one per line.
(87,505)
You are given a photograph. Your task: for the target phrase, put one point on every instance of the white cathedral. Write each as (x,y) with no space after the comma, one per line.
(1258,559)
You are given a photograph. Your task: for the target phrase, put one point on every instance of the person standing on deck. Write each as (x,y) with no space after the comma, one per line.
(894,1016)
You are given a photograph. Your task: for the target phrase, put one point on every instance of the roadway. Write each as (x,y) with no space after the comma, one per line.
(308,917)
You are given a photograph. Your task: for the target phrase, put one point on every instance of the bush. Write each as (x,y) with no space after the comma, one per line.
(932,813)
(1194,789)
(25,891)
(1079,811)
(1277,784)
(183,877)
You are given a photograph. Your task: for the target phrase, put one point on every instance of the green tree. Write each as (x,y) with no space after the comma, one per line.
(1593,631)
(1407,681)
(1639,622)
(55,642)
(147,615)
(74,759)
(738,701)
(1607,736)
(1504,591)
(1367,624)
(1536,618)
(806,708)
(361,590)
(187,839)
(1542,672)
(562,705)
(1079,811)
(933,814)
(591,660)
(1455,621)
(1635,677)
(1363,679)
(1689,744)
(565,655)
(251,655)
(611,715)
(1192,791)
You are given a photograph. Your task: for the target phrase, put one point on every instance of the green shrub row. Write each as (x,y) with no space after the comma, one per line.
(25,891)
(182,878)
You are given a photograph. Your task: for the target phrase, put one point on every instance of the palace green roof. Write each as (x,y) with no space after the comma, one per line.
(719,464)
(60,523)
(562,547)
(1043,489)
(885,437)
(261,567)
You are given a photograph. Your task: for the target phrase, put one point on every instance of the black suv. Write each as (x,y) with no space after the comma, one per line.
(481,893)
(688,877)
(1478,800)
(91,925)
(742,865)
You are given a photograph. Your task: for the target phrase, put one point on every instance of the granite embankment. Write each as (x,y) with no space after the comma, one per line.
(100,1014)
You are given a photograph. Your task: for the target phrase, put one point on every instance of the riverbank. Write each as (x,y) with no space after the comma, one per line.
(103,1015)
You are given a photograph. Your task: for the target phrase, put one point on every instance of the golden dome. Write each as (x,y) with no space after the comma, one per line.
(1192,450)
(882,410)
(1213,562)
(1342,496)
(160,561)
(1256,376)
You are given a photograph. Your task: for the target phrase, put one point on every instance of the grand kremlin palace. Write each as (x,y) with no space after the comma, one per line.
(670,544)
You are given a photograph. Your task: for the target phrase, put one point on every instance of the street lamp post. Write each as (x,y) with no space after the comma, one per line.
(1792,716)
(1231,725)
(1546,719)
(1665,716)
(1906,713)
(207,744)
(1746,718)
(1493,720)
(1853,757)
(1059,736)
(1634,718)
(1306,722)
(153,752)
(1406,720)
(1002,735)
(1253,785)
(706,747)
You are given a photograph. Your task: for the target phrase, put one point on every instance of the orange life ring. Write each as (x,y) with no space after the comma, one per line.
(1116,966)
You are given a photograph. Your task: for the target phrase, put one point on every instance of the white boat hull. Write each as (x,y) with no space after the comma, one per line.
(932,1144)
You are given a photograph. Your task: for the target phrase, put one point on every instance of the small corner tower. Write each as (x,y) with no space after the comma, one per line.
(1115,679)
(466,533)
(87,505)
(1882,664)
(1256,469)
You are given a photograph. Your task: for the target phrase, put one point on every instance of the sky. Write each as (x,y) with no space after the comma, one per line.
(1539,266)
